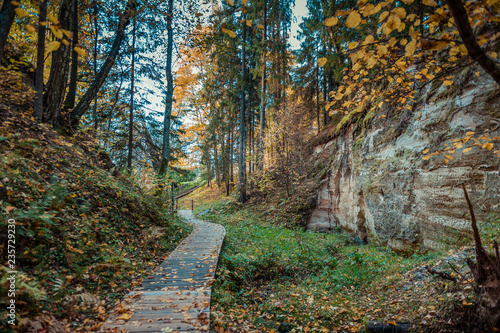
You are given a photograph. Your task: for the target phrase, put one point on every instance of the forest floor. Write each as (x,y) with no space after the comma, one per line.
(272,278)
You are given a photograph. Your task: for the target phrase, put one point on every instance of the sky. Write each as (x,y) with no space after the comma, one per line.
(300,11)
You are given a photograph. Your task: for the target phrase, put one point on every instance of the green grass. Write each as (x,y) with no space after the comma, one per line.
(269,274)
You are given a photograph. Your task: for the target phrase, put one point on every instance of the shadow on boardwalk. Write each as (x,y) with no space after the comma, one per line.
(176,296)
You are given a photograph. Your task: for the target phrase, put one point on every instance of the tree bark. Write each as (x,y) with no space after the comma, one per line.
(263,92)
(7,15)
(131,114)
(58,78)
(92,91)
(170,93)
(71,97)
(96,39)
(464,28)
(242,164)
(40,62)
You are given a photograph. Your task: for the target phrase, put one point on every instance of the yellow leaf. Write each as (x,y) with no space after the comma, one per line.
(393,23)
(493,55)
(454,51)
(400,12)
(425,158)
(353,20)
(361,2)
(488,145)
(382,49)
(466,150)
(383,16)
(231,2)
(426,151)
(56,31)
(9,209)
(477,74)
(330,22)
(260,26)
(229,32)
(15,3)
(410,48)
(450,157)
(52,18)
(408,2)
(322,62)
(124,316)
(65,42)
(245,2)
(80,51)
(445,161)
(448,82)
(370,9)
(67,33)
(52,46)
(21,12)
(369,39)
(30,28)
(470,133)
(352,45)
(431,3)
(249,23)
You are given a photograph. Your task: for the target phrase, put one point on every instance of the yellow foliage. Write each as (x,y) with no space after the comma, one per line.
(52,46)
(330,22)
(431,3)
(322,62)
(352,45)
(21,12)
(400,12)
(229,32)
(353,20)
(410,48)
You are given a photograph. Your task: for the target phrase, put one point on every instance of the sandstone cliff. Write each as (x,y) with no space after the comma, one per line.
(378,186)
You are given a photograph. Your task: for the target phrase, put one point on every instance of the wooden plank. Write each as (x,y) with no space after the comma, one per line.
(176,296)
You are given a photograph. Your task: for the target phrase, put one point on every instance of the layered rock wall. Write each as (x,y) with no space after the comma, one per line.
(379,187)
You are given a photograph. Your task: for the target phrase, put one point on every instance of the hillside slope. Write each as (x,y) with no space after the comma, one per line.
(85,234)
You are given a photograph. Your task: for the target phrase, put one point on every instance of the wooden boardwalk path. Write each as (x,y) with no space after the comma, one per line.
(176,296)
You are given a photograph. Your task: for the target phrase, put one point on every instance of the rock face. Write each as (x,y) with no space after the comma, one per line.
(379,187)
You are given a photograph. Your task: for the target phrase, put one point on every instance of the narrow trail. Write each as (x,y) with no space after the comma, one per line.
(176,296)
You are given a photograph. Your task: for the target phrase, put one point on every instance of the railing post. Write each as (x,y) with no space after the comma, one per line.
(192,204)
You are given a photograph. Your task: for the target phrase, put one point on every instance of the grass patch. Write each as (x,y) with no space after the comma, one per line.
(269,275)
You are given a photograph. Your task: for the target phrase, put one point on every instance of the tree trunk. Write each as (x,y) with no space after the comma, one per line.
(170,93)
(462,21)
(96,39)
(263,92)
(71,97)
(40,61)
(216,163)
(242,164)
(92,91)
(7,15)
(131,116)
(58,78)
